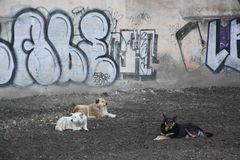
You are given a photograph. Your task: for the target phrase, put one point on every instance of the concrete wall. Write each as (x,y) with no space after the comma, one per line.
(52,47)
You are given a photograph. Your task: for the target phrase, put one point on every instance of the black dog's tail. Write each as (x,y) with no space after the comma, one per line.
(208,134)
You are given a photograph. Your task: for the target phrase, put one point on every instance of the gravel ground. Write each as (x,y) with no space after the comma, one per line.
(27,126)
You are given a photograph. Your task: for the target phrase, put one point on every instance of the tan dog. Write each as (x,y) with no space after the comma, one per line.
(97,109)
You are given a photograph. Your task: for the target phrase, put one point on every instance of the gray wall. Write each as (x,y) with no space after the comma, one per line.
(54,47)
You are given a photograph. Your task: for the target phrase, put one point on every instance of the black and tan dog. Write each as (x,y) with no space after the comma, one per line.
(171,129)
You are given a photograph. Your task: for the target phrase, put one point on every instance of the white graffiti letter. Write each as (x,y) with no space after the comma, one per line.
(128,54)
(7,64)
(35,57)
(73,61)
(214,58)
(145,53)
(233,60)
(94,28)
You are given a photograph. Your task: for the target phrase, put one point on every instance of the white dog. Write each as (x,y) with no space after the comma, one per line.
(76,121)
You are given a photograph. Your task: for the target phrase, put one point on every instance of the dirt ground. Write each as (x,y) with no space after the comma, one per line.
(27,126)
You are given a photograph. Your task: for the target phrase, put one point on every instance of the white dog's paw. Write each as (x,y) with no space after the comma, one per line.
(59,129)
(76,129)
(86,129)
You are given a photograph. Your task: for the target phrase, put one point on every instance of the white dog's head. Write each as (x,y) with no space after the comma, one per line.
(78,118)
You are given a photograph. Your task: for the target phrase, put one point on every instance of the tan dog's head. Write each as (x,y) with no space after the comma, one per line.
(101,102)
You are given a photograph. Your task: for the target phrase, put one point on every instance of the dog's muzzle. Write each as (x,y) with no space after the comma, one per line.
(167,128)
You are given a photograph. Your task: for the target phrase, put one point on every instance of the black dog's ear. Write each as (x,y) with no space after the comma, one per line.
(97,101)
(164,117)
(174,118)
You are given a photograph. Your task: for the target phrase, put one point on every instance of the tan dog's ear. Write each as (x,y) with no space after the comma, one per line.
(97,101)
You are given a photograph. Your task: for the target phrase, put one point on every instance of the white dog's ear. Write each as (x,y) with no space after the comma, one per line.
(97,101)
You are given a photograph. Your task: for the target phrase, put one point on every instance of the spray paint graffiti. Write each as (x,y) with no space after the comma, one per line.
(34,54)
(73,61)
(77,13)
(42,50)
(233,60)
(114,17)
(94,28)
(147,50)
(223,45)
(191,45)
(127,52)
(134,53)
(7,62)
(139,19)
(215,56)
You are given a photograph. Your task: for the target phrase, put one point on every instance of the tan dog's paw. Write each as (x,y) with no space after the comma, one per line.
(111,115)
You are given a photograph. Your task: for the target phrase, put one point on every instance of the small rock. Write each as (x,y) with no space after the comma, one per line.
(14,123)
(105,94)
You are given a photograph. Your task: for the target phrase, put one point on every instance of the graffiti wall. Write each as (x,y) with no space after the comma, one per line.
(191,46)
(42,50)
(97,44)
(223,45)
(219,50)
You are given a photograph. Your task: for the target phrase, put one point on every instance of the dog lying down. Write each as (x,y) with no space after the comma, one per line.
(76,121)
(94,110)
(171,129)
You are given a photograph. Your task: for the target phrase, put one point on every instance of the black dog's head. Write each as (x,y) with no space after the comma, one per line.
(168,122)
